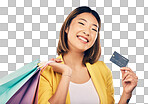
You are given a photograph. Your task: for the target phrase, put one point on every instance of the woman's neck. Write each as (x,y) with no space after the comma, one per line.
(74,60)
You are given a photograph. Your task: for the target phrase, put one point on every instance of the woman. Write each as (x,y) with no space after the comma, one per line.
(76,76)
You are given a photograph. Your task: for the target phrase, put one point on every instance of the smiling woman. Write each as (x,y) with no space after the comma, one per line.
(84,20)
(76,76)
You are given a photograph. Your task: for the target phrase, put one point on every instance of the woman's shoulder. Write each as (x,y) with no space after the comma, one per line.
(102,67)
(100,64)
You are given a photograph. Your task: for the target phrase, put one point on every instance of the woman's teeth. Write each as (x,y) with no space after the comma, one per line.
(82,39)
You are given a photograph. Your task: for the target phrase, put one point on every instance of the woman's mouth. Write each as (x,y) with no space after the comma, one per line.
(82,39)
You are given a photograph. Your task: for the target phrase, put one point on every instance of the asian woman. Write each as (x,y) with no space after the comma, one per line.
(76,76)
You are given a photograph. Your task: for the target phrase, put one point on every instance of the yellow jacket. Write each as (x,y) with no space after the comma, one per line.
(101,76)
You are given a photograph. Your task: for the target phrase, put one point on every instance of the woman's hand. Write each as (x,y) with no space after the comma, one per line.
(60,68)
(129,80)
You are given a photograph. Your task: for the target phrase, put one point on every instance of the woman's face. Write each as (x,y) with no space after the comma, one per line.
(82,32)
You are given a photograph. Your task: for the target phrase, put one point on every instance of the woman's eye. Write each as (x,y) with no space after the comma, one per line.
(94,30)
(81,23)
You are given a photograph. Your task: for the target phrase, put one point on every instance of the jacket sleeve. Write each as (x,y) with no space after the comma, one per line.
(109,85)
(45,87)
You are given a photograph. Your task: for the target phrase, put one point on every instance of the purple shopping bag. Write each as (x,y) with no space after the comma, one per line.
(28,93)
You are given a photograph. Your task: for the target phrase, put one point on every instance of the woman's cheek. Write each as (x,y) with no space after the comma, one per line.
(96,36)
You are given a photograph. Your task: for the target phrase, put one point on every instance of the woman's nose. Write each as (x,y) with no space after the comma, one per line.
(86,32)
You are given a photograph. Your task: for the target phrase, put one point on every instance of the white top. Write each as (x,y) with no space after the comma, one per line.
(83,93)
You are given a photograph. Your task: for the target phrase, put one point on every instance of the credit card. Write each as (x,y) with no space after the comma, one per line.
(119,60)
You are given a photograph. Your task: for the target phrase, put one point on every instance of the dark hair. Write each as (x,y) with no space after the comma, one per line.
(91,55)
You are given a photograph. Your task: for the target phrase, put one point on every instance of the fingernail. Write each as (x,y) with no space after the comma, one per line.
(125,80)
(50,61)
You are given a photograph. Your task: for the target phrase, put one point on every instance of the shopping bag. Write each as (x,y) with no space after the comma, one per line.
(21,86)
(11,83)
(28,93)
